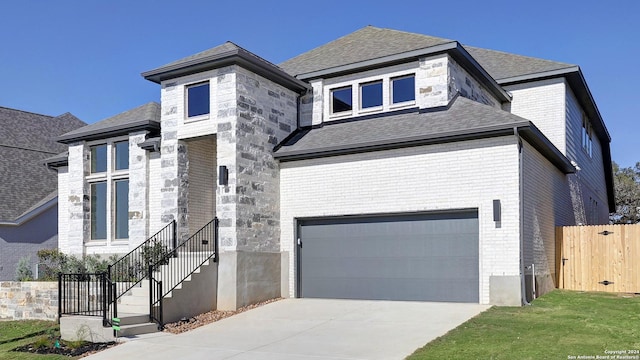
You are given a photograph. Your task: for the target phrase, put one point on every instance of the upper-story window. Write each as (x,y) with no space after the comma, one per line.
(587,136)
(197,99)
(109,190)
(403,89)
(370,94)
(341,100)
(98,158)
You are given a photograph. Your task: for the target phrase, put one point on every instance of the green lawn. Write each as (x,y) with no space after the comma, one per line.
(18,333)
(556,326)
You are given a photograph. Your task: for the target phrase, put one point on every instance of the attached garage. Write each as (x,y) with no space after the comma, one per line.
(423,257)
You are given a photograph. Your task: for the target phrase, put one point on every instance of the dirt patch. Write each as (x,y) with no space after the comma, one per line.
(208,318)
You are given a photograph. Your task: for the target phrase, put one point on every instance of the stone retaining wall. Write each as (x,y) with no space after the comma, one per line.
(28,300)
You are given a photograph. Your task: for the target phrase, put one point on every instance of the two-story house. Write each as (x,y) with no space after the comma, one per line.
(382,165)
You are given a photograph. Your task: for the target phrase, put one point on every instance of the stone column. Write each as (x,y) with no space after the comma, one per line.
(138,190)
(78,200)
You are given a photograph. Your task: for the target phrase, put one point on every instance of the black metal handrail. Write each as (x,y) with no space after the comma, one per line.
(82,294)
(186,258)
(130,269)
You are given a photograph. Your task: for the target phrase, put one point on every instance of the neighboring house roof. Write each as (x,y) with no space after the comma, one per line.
(220,56)
(26,139)
(463,119)
(145,117)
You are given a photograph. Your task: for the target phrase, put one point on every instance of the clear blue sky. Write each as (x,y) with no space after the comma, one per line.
(85,57)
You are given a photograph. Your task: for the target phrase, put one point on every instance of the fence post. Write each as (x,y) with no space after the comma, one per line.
(151,292)
(215,239)
(59,296)
(174,234)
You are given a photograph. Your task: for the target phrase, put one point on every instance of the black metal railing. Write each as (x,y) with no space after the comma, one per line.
(132,268)
(98,294)
(82,294)
(186,258)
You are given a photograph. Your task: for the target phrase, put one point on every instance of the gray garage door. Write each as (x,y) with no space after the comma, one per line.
(418,257)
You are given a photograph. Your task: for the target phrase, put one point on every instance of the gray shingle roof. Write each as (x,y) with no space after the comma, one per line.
(464,119)
(463,115)
(371,42)
(146,116)
(220,56)
(501,65)
(26,139)
(364,44)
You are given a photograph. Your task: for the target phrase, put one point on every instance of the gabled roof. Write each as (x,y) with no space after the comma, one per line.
(463,119)
(145,117)
(365,44)
(220,56)
(26,139)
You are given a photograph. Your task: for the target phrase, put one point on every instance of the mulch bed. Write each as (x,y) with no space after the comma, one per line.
(208,318)
(85,349)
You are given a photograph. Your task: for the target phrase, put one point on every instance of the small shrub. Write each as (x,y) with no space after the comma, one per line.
(23,270)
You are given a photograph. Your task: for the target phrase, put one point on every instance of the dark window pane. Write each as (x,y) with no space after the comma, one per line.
(341,100)
(122,209)
(99,210)
(404,89)
(98,158)
(198,100)
(371,94)
(122,155)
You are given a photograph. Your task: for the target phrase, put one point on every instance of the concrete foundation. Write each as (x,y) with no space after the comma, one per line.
(196,296)
(86,328)
(505,290)
(246,278)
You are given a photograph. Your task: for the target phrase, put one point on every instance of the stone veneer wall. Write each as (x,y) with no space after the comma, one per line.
(440,78)
(28,300)
(138,190)
(267,113)
(78,199)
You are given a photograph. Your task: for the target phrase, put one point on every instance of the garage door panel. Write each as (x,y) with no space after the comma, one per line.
(415,257)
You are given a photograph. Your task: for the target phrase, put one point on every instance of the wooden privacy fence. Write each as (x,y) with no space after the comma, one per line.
(598,258)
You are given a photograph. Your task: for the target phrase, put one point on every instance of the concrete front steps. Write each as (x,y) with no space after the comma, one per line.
(195,295)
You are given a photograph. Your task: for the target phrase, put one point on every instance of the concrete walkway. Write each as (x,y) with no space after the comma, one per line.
(307,329)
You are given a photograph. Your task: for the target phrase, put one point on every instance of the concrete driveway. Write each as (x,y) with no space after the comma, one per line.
(307,329)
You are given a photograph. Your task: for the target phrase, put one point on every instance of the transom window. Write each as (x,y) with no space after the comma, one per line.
(197,99)
(371,95)
(109,191)
(341,100)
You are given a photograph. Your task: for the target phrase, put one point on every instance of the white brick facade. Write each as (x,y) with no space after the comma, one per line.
(438,177)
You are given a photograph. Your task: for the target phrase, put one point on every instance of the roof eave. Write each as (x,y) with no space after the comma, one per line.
(527,130)
(108,132)
(233,57)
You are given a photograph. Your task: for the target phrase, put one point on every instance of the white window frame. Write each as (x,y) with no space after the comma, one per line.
(340,113)
(356,80)
(402,103)
(360,97)
(110,177)
(188,118)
